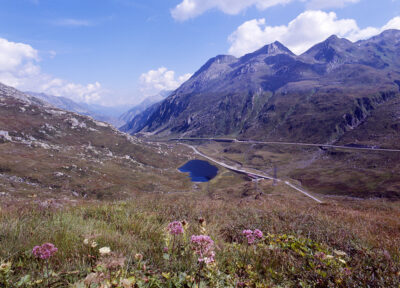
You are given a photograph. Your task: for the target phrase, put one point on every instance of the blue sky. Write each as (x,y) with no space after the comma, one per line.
(119,51)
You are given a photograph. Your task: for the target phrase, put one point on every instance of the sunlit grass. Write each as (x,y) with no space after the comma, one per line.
(368,233)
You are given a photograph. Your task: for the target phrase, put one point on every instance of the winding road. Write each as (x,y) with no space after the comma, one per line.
(256,175)
(287,143)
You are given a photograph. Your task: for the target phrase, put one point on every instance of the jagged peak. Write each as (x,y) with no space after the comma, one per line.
(268,50)
(220,59)
(332,40)
(326,48)
(273,49)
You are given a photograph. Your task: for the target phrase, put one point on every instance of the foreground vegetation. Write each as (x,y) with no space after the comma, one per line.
(292,243)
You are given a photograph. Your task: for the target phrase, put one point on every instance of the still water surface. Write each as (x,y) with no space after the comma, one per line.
(199,170)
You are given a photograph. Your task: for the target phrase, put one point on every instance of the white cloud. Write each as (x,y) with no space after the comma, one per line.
(155,81)
(192,8)
(12,55)
(89,93)
(392,24)
(19,67)
(307,29)
(70,22)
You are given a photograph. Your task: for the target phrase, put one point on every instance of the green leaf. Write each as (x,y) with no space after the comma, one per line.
(24,280)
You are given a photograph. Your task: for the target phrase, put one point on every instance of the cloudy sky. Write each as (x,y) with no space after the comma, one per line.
(117,52)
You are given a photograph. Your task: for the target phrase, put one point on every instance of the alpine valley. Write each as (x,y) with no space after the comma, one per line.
(295,180)
(337,92)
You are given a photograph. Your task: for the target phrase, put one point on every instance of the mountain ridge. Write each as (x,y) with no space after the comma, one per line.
(275,94)
(129,115)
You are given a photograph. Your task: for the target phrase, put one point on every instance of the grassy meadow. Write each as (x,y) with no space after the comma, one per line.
(304,244)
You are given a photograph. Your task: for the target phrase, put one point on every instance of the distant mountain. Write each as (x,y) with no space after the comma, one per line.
(318,96)
(109,114)
(98,112)
(140,120)
(146,103)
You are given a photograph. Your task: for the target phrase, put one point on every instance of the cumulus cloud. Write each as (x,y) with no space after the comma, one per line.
(307,29)
(155,81)
(192,8)
(19,68)
(12,55)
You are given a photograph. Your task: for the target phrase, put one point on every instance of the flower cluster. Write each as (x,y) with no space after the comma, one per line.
(104,251)
(92,243)
(252,235)
(45,251)
(204,247)
(175,228)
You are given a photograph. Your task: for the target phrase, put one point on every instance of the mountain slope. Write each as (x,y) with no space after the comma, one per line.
(273,94)
(49,152)
(146,103)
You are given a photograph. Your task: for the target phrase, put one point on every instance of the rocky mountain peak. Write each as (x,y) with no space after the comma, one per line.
(330,50)
(273,49)
(217,60)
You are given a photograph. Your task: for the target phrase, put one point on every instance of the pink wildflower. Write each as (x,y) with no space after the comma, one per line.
(252,235)
(203,246)
(258,234)
(45,251)
(247,232)
(175,228)
(249,235)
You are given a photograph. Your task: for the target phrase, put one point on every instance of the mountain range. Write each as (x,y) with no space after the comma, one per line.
(324,95)
(102,113)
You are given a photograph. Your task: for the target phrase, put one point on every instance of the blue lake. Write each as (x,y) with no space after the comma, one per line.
(199,170)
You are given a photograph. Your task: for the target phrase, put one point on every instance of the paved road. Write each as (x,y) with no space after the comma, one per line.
(257,175)
(287,143)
